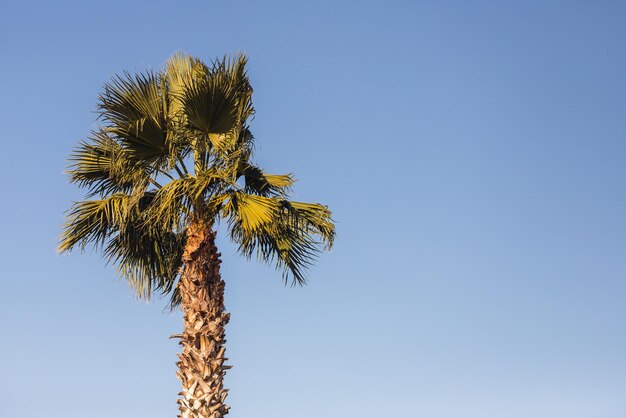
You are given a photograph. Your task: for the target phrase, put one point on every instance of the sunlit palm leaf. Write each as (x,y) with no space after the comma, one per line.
(93,221)
(181,70)
(279,231)
(311,218)
(172,204)
(210,106)
(101,165)
(264,184)
(233,70)
(280,244)
(251,212)
(133,108)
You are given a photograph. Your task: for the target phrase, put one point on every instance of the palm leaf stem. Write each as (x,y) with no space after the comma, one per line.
(182,164)
(180,173)
(154,182)
(165,173)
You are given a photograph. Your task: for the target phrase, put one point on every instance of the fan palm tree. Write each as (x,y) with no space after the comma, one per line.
(170,159)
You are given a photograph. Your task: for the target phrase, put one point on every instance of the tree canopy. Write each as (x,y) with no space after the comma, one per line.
(174,147)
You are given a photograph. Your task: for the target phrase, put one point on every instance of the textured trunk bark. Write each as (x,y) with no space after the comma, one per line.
(201,366)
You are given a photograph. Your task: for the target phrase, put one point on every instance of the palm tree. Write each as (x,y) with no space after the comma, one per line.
(171,159)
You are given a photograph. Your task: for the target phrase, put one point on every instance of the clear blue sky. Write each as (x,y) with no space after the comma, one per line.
(473,153)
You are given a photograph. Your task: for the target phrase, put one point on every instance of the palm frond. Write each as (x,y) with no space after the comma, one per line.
(207,183)
(252,212)
(133,108)
(261,183)
(234,70)
(149,260)
(101,165)
(279,231)
(313,218)
(278,243)
(211,112)
(94,221)
(182,70)
(173,204)
(216,106)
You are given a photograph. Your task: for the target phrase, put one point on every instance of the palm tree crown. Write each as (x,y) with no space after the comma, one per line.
(174,147)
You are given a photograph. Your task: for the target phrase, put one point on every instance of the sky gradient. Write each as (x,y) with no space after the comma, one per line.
(474,157)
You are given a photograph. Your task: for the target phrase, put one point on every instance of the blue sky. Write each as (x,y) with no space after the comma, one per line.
(473,155)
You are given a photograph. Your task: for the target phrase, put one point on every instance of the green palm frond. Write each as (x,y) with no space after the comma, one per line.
(279,231)
(211,112)
(133,108)
(278,243)
(175,202)
(172,203)
(252,212)
(130,98)
(101,165)
(149,260)
(234,70)
(261,183)
(94,221)
(181,70)
(311,218)
(216,107)
(208,182)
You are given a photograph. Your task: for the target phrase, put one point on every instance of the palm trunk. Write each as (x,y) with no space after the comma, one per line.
(201,366)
